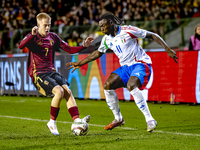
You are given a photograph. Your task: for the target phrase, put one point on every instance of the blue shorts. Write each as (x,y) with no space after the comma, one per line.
(140,70)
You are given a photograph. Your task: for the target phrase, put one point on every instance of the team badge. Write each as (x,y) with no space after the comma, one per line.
(51,42)
(123,40)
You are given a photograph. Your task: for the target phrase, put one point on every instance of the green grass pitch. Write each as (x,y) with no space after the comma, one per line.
(23,126)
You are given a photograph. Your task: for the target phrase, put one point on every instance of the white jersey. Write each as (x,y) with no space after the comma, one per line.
(125,45)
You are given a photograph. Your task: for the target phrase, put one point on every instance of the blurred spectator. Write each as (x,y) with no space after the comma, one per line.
(88,11)
(31,21)
(3,24)
(25,50)
(20,14)
(2,49)
(52,13)
(16,48)
(59,21)
(79,41)
(195,39)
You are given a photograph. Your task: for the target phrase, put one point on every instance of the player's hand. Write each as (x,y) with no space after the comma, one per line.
(88,41)
(172,54)
(34,30)
(74,65)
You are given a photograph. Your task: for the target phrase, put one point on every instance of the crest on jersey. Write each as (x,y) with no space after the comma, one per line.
(123,40)
(111,44)
(51,42)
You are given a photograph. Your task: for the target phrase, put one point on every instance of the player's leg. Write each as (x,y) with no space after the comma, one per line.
(70,101)
(46,85)
(139,77)
(72,106)
(112,83)
(58,93)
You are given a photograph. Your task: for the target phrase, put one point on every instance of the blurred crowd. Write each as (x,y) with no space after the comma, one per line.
(18,15)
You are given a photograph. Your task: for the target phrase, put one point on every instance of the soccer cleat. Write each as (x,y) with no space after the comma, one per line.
(114,124)
(52,127)
(87,118)
(151,125)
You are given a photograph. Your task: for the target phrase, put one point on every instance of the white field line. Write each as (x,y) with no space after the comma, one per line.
(126,128)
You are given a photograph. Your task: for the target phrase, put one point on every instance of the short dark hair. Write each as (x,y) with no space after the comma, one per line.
(112,17)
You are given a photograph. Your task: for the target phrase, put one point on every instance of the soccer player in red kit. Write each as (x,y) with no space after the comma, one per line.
(42,45)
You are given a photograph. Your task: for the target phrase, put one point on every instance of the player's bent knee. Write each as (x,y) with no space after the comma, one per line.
(134,82)
(130,87)
(58,90)
(106,85)
(68,92)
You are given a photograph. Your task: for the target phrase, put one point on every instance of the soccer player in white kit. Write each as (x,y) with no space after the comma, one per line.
(135,69)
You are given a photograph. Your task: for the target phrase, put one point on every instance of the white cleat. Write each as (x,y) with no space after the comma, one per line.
(87,118)
(52,127)
(151,125)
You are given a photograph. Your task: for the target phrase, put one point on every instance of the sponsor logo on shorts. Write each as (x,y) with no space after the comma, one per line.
(46,82)
(137,74)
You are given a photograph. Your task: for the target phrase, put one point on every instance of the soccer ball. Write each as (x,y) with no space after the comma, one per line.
(79,128)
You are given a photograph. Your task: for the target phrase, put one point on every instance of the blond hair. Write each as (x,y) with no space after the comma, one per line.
(43,15)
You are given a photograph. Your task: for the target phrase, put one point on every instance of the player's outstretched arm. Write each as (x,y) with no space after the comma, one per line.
(161,42)
(93,56)
(72,50)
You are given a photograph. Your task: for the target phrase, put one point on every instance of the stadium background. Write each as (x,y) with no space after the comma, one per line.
(76,20)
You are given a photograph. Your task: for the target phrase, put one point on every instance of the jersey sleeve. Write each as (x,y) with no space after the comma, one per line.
(103,46)
(135,32)
(64,45)
(26,41)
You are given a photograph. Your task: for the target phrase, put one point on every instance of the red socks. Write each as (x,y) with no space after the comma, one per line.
(74,112)
(54,112)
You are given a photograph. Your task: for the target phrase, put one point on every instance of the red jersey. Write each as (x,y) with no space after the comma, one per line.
(42,51)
